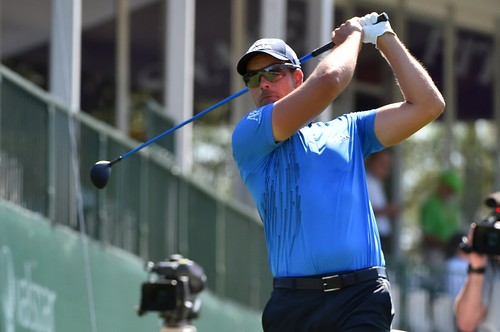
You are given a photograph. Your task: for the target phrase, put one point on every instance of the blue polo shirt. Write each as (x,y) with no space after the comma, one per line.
(311,192)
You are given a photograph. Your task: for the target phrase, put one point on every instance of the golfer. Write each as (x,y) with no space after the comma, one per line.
(308,178)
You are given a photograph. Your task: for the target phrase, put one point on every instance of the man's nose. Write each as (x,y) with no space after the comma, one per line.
(263,82)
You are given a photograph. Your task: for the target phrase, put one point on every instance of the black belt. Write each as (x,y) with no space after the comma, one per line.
(331,283)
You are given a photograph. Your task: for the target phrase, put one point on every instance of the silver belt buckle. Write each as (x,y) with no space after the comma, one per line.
(325,284)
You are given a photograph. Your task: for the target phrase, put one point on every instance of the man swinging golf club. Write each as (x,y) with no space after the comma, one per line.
(308,178)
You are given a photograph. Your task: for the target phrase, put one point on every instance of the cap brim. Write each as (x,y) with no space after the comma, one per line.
(241,68)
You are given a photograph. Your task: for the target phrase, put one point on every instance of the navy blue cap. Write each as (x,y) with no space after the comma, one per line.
(275,47)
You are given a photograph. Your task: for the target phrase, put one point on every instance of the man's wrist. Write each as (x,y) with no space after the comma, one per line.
(476,270)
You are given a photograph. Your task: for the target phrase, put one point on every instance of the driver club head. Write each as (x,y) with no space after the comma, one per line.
(99,173)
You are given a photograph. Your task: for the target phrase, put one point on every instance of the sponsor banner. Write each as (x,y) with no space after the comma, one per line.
(51,280)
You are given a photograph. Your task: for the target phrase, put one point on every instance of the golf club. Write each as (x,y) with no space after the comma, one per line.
(100,172)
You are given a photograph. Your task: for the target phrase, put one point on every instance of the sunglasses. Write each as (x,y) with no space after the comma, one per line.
(270,73)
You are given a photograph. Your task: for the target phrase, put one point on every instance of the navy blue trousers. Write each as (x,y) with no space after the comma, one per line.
(364,307)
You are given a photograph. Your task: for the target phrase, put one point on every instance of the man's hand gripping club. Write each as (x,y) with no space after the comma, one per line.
(372,30)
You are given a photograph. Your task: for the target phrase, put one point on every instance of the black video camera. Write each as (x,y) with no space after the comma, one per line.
(173,293)
(486,239)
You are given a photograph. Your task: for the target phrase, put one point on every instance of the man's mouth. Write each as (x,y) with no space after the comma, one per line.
(268,98)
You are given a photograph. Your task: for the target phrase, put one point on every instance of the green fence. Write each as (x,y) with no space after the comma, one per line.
(147,208)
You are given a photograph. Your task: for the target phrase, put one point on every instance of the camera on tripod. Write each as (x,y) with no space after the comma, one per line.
(486,238)
(173,290)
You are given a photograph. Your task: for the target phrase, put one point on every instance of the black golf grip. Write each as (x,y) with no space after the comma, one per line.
(381,18)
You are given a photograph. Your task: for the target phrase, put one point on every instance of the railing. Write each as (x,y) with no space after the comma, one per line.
(151,210)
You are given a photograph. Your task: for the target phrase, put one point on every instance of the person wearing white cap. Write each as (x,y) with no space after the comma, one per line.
(308,179)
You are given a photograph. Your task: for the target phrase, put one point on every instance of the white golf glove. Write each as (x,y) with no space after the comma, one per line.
(372,30)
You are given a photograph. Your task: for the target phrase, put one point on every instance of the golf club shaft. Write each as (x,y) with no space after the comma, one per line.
(316,52)
(182,124)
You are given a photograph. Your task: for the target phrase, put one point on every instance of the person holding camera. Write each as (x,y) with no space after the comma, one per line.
(476,306)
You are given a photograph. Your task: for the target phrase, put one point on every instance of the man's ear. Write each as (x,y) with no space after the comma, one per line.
(299,77)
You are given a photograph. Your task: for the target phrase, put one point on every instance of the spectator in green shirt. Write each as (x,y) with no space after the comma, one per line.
(440,216)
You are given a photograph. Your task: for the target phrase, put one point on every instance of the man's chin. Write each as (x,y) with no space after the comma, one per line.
(267,101)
